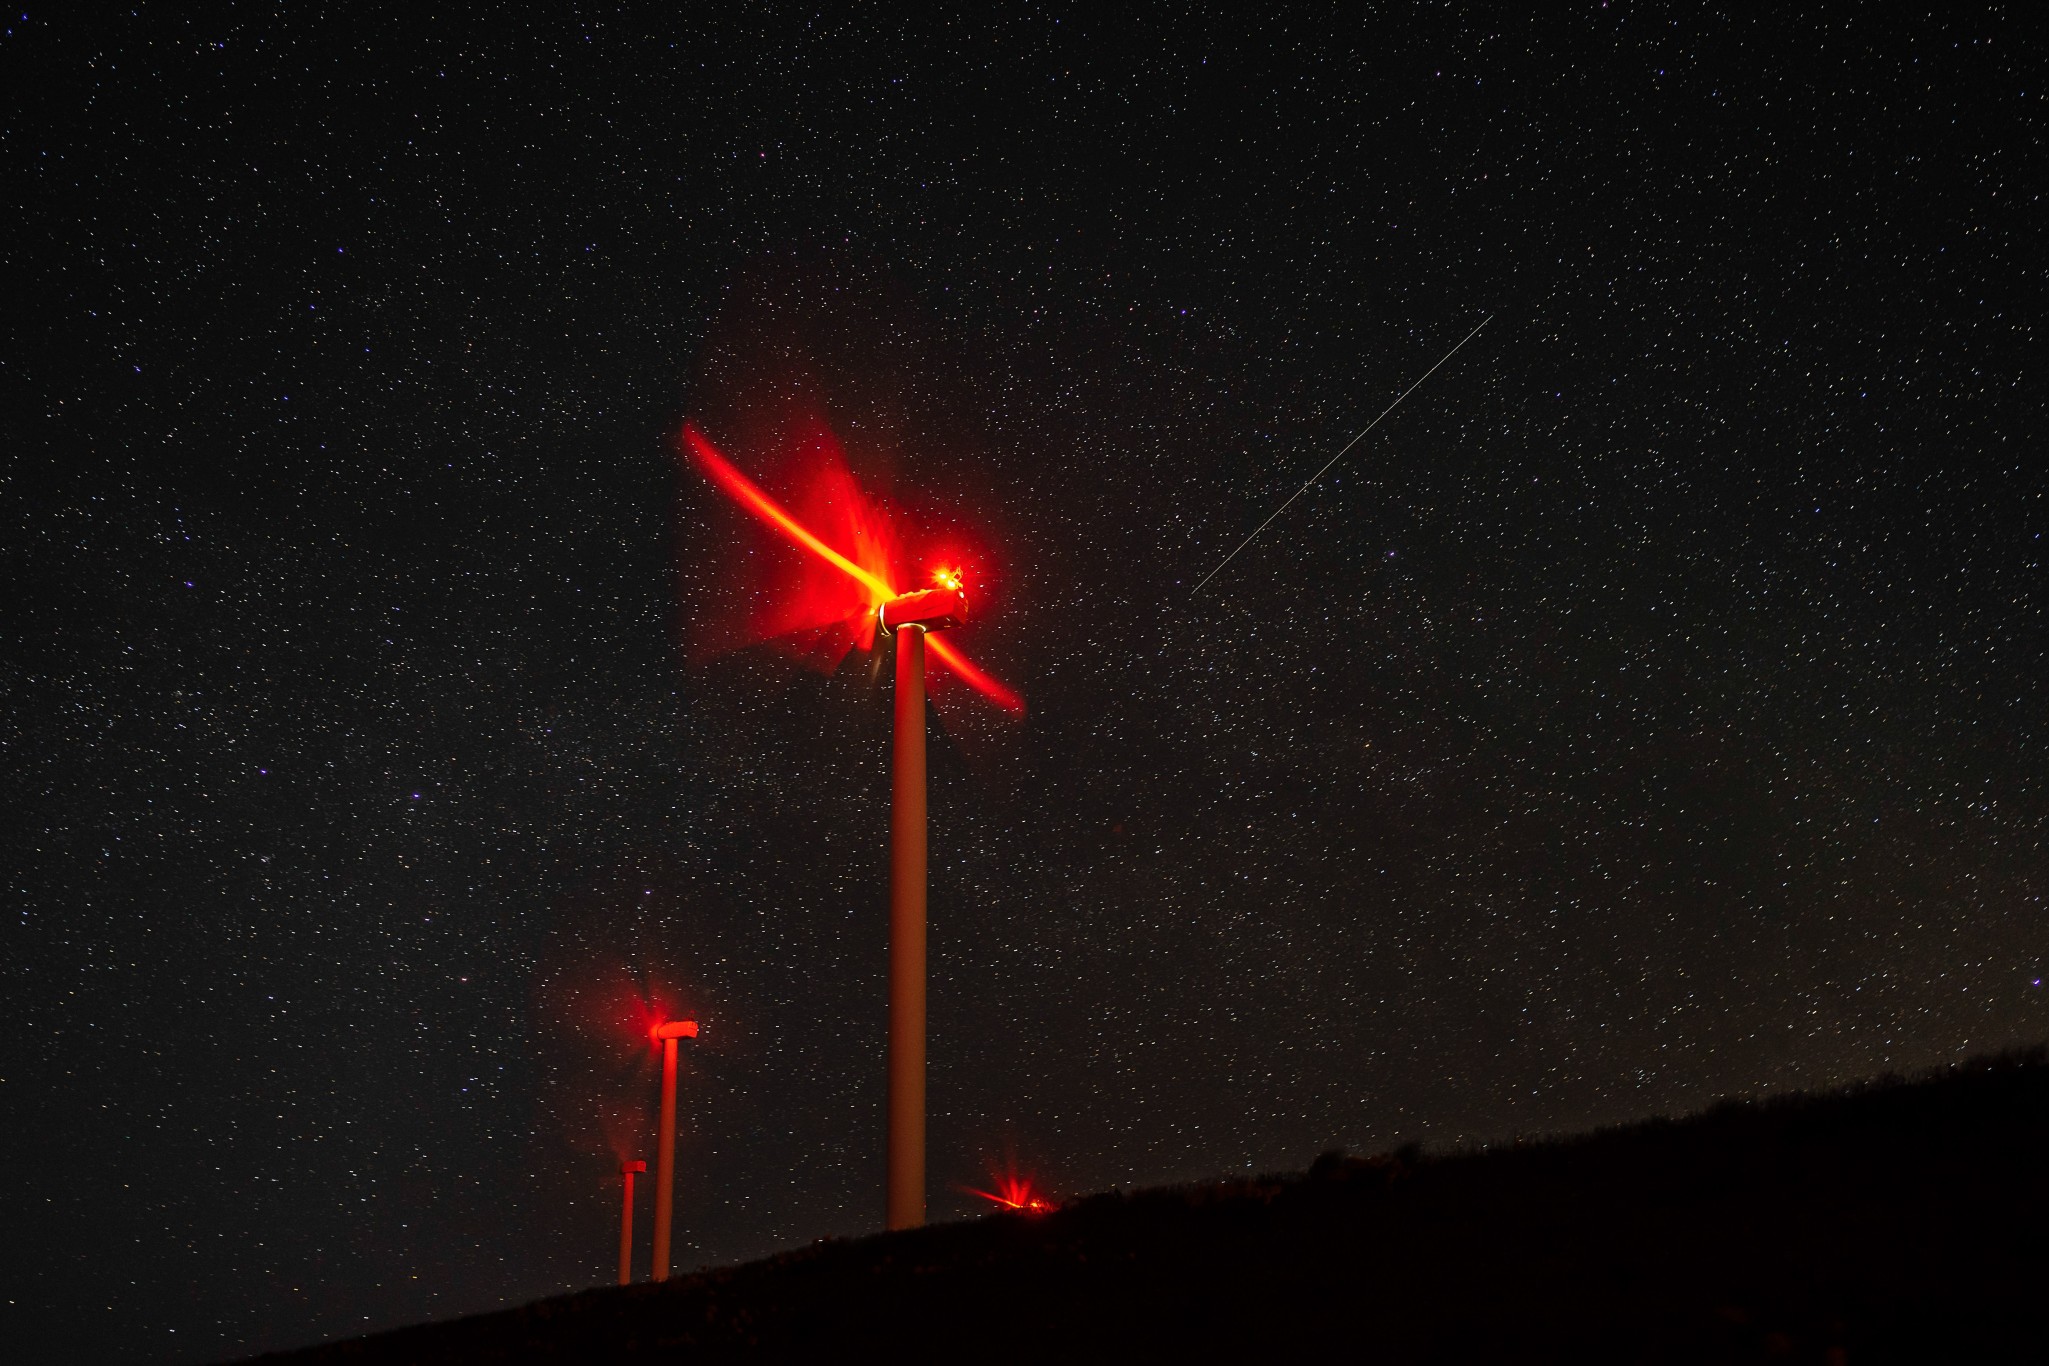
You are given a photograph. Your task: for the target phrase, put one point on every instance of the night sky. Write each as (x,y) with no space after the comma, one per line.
(1650,711)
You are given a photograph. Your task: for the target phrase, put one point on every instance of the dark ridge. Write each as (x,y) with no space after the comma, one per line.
(1899,1221)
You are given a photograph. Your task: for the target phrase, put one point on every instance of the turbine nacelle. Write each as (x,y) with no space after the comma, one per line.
(929,609)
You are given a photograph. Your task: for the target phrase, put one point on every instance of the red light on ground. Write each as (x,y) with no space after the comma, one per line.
(1014,1193)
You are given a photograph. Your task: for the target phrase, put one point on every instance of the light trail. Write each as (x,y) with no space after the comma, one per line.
(974,677)
(750,495)
(1341,454)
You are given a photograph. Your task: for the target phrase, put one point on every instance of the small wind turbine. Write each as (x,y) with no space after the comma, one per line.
(627,1171)
(665,1141)
(911,619)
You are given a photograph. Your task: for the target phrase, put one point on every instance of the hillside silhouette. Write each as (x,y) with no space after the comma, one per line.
(1901,1221)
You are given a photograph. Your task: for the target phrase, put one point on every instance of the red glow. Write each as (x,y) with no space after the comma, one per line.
(1014,1192)
(974,677)
(749,495)
(597,1016)
(649,1012)
(862,582)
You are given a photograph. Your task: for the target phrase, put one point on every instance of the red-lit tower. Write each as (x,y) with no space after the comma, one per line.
(665,1144)
(908,619)
(627,1171)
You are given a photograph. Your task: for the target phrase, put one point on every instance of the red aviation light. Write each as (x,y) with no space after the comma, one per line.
(1014,1193)
(749,495)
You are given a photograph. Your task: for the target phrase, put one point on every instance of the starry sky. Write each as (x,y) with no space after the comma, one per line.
(1650,711)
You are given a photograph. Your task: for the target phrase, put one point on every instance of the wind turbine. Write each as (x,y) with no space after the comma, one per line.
(665,1141)
(910,619)
(627,1171)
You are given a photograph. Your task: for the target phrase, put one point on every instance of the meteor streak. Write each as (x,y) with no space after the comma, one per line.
(1341,454)
(751,496)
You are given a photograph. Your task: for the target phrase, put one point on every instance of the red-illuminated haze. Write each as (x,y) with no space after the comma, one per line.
(853,561)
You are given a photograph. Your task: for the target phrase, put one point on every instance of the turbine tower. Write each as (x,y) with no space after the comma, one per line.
(665,1145)
(908,619)
(627,1171)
